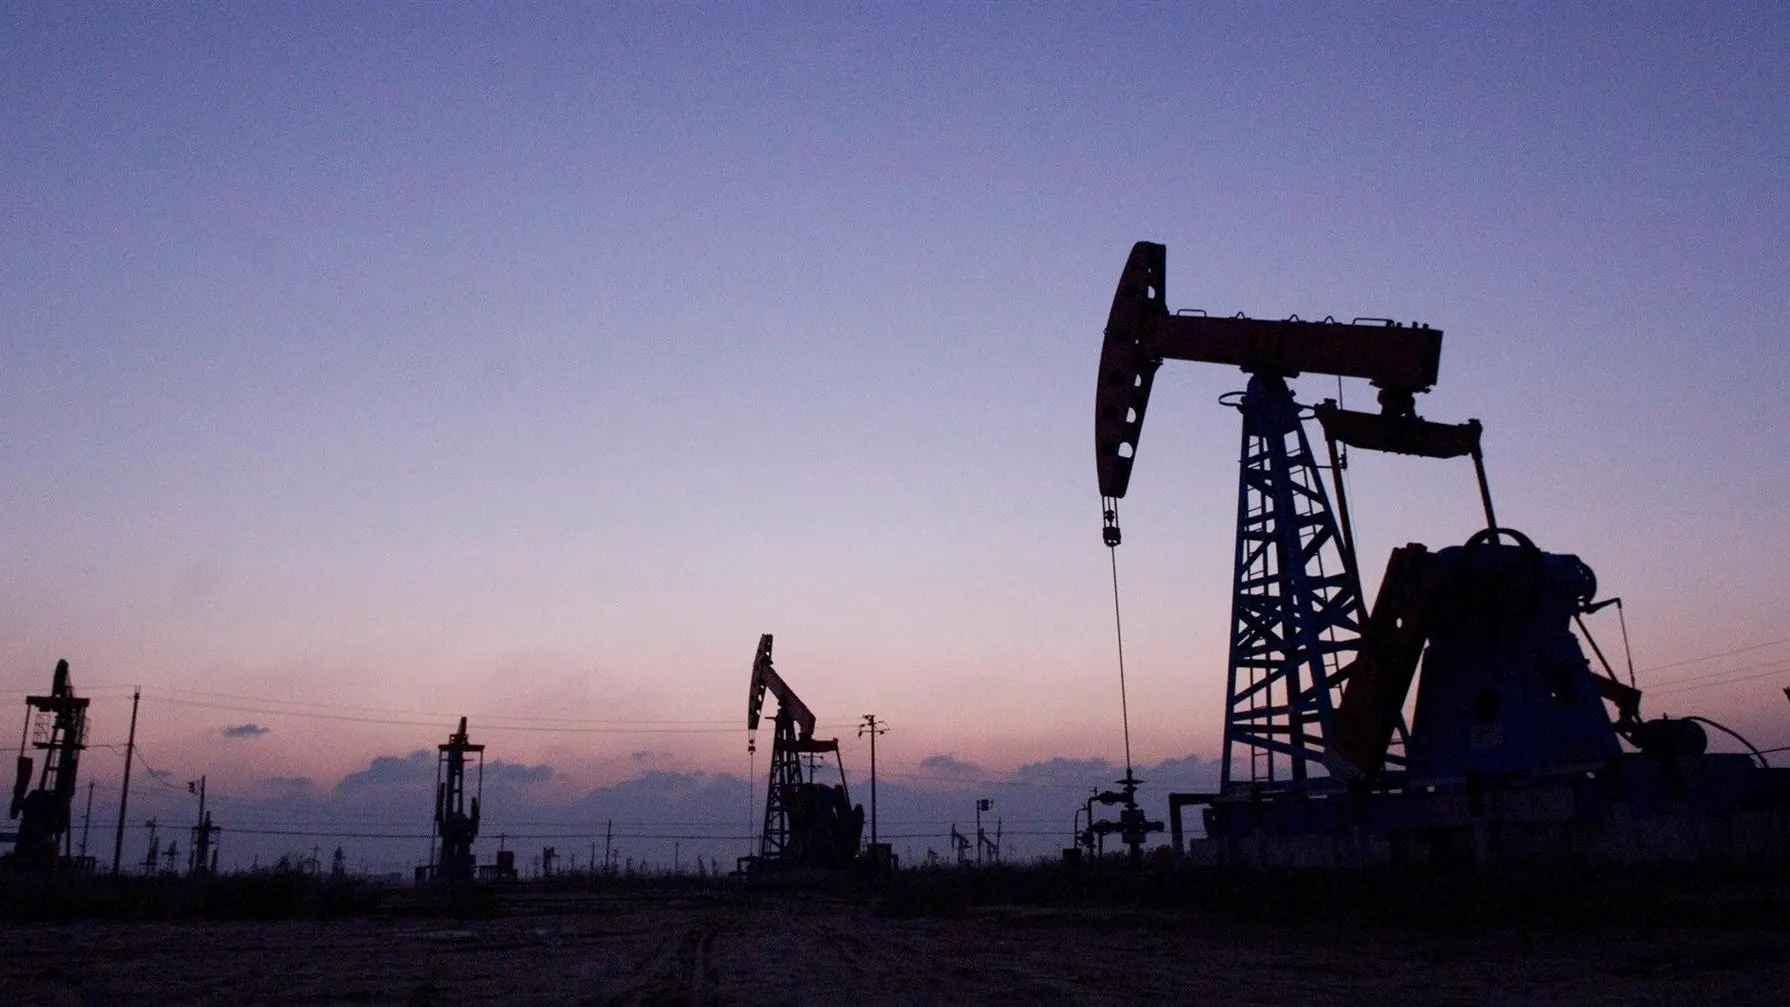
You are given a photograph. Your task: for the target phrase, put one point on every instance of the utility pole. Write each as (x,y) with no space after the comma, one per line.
(608,834)
(872,727)
(199,860)
(124,797)
(87,820)
(982,804)
(155,850)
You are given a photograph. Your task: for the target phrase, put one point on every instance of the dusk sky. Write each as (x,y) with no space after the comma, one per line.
(365,366)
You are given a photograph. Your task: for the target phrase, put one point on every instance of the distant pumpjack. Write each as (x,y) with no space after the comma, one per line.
(60,732)
(455,826)
(960,843)
(806,822)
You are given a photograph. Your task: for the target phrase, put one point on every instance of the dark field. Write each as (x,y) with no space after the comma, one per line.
(687,945)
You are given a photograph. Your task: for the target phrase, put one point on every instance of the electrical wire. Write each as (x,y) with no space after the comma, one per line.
(436,714)
(719,837)
(1711,657)
(155,774)
(985,781)
(1718,679)
(526,728)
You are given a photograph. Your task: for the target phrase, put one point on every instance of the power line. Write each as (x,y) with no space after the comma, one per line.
(587,833)
(1711,657)
(1687,685)
(1706,675)
(394,722)
(985,781)
(155,774)
(436,714)
(387,715)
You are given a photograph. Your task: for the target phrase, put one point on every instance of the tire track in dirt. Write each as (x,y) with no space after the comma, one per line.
(678,970)
(871,964)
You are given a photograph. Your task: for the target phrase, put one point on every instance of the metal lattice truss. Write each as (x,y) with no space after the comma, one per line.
(1296,612)
(786,776)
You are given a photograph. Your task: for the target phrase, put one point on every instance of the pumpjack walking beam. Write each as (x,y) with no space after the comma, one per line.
(1141,333)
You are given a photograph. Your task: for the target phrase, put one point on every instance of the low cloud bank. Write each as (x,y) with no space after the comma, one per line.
(381,815)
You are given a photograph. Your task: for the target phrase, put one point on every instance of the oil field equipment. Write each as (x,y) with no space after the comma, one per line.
(807,823)
(202,855)
(55,725)
(1132,826)
(1511,749)
(455,826)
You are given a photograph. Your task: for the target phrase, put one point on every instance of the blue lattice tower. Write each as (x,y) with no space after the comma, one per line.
(1296,610)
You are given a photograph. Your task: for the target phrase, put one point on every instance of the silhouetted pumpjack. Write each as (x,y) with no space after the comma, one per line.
(455,827)
(43,812)
(1297,605)
(806,822)
(1509,718)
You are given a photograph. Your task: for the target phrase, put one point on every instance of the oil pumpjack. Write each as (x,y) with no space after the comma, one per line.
(55,725)
(1510,730)
(807,823)
(455,827)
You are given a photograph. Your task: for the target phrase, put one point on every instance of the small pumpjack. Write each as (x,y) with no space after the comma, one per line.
(455,826)
(807,823)
(60,720)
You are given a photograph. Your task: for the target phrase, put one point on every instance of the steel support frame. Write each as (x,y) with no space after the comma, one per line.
(786,777)
(1296,610)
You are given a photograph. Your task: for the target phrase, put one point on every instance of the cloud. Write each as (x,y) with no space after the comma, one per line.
(284,788)
(391,770)
(245,731)
(1189,773)
(381,812)
(516,772)
(950,765)
(663,795)
(418,769)
(1067,770)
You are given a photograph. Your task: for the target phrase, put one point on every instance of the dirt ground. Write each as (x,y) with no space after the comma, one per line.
(814,950)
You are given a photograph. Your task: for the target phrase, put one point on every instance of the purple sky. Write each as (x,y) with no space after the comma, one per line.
(531,361)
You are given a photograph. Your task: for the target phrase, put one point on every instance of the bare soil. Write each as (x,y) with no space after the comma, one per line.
(808,948)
